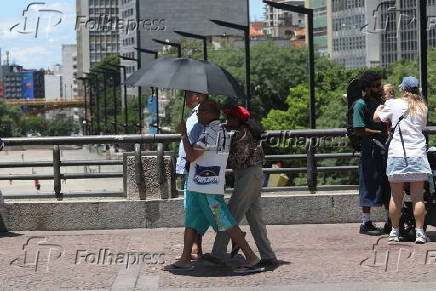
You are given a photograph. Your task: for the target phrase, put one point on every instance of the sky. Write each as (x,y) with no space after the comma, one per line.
(44,51)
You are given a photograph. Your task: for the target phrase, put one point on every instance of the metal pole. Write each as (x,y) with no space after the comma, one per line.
(114,95)
(126,130)
(247,68)
(422,11)
(157,110)
(312,112)
(205,49)
(97,100)
(247,59)
(85,130)
(91,127)
(138,37)
(105,102)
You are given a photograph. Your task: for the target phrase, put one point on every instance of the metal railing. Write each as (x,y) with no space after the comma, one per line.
(310,144)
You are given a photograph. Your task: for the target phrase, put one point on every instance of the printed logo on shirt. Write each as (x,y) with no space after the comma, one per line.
(206,175)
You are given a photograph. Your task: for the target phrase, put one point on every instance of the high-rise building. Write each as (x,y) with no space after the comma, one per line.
(281,23)
(69,71)
(12,81)
(322,18)
(398,29)
(97,32)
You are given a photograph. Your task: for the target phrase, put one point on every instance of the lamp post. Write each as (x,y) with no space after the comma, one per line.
(124,100)
(156,55)
(422,12)
(97,102)
(309,13)
(178,46)
(197,36)
(246,30)
(140,124)
(104,72)
(85,121)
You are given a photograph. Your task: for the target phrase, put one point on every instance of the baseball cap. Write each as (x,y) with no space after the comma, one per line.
(238,112)
(409,84)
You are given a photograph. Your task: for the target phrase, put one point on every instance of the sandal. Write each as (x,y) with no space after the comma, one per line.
(235,247)
(249,269)
(174,267)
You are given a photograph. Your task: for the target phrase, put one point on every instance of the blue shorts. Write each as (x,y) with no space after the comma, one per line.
(204,210)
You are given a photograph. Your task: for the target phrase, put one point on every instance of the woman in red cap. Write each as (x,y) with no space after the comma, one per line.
(246,159)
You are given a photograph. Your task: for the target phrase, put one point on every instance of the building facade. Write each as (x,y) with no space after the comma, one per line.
(97,28)
(69,71)
(12,81)
(283,24)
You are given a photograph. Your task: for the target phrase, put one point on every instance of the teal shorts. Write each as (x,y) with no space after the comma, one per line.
(204,210)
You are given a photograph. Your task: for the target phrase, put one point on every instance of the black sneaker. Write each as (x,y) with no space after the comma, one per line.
(388,227)
(369,229)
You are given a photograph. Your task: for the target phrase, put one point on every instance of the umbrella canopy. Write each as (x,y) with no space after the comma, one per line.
(187,74)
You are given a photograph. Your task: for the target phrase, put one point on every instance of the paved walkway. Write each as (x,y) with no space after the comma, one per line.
(314,257)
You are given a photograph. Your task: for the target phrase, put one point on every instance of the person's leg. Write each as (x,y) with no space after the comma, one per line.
(259,232)
(236,235)
(238,205)
(419,211)
(187,203)
(396,203)
(221,219)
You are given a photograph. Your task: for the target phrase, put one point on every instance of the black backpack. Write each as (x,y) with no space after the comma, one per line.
(354,93)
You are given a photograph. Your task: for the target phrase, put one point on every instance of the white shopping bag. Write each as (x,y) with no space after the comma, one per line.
(207,173)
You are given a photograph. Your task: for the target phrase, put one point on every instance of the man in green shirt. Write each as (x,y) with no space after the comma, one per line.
(374,190)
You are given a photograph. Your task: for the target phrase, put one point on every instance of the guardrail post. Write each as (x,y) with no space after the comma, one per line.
(311,166)
(139,177)
(160,163)
(57,172)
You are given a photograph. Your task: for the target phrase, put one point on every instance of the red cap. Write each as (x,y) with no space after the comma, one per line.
(238,112)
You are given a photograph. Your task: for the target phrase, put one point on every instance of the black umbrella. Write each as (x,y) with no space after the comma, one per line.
(187,74)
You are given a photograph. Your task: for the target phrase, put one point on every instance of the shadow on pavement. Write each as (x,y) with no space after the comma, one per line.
(9,234)
(205,269)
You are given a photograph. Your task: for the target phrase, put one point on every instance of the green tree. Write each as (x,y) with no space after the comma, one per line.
(9,119)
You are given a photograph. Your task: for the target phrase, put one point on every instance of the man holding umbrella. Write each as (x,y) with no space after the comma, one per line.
(193,129)
(206,180)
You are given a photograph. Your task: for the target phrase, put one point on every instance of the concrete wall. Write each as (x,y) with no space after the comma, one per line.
(69,215)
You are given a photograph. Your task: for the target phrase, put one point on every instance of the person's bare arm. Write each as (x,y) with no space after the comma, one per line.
(192,152)
(363,131)
(376,116)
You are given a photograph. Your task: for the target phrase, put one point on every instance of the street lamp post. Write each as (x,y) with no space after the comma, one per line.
(85,121)
(104,72)
(197,36)
(309,13)
(246,30)
(156,91)
(140,124)
(422,6)
(124,100)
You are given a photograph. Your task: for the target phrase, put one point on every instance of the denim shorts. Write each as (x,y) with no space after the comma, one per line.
(409,169)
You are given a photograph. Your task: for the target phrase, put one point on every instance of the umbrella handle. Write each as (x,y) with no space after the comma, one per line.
(183,108)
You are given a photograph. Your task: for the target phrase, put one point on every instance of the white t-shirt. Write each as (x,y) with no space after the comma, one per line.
(411,129)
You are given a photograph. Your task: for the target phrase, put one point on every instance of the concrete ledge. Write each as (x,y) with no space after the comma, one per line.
(123,214)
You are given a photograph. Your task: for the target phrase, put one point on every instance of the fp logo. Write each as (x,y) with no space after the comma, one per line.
(37,252)
(32,18)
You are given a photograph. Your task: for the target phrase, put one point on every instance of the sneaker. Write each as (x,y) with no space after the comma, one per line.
(369,229)
(388,227)
(421,238)
(394,236)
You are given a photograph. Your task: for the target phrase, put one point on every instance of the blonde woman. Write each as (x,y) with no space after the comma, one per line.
(388,92)
(407,155)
